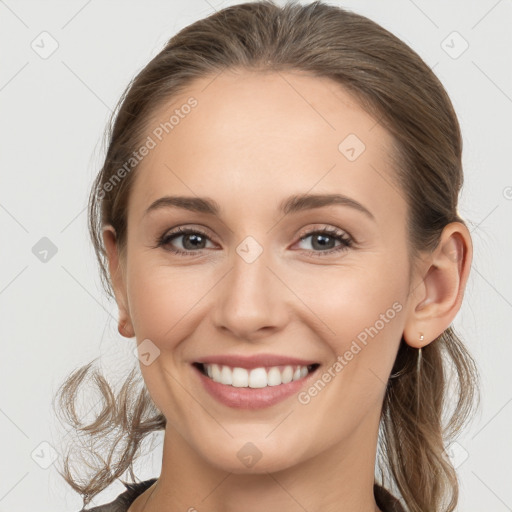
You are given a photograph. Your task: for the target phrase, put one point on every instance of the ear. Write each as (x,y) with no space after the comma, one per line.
(118,282)
(437,298)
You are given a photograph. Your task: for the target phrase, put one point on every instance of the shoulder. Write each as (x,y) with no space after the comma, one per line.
(385,500)
(125,499)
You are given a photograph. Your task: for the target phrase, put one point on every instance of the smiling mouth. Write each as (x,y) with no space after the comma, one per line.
(256,377)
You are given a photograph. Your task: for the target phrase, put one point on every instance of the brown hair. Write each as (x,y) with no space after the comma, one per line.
(393,84)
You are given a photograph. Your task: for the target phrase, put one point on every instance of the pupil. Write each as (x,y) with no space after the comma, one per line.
(323,244)
(195,237)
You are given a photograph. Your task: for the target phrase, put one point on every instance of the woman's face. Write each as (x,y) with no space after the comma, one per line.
(259,277)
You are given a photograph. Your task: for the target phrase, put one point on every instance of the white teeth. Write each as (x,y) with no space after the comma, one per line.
(240,377)
(287,375)
(274,377)
(255,378)
(216,373)
(226,376)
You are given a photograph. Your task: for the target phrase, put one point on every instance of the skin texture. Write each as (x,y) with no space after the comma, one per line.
(253,140)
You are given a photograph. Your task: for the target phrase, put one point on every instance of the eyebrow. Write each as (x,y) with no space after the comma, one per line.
(292,204)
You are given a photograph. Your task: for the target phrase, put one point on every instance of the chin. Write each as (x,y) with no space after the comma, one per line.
(241,456)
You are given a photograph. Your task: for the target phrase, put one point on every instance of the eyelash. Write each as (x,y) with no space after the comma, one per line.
(346,241)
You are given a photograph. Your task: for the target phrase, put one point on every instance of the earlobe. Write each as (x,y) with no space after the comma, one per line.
(438,297)
(125,327)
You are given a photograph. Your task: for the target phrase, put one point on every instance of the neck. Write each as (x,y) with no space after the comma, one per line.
(338,479)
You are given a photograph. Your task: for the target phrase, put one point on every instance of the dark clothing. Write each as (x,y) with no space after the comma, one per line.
(125,499)
(385,500)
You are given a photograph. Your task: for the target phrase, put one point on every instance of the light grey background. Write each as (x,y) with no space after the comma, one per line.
(54,315)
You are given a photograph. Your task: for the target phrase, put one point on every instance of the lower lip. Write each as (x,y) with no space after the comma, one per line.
(252,398)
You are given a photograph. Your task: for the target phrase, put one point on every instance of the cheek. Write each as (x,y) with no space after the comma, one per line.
(160,299)
(164,304)
(341,303)
(351,295)
(359,311)
(362,318)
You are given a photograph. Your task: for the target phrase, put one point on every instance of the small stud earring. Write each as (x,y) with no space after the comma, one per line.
(421,336)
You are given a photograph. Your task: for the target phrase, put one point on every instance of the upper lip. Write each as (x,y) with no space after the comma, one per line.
(254,361)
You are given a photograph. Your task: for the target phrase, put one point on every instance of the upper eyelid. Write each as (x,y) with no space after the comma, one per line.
(330,229)
(183,231)
(179,231)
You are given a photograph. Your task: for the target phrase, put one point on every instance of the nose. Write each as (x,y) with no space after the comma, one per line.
(251,301)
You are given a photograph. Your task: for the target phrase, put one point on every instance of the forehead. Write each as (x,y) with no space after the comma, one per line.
(256,135)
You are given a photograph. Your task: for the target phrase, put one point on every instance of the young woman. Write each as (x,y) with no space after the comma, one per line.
(276,218)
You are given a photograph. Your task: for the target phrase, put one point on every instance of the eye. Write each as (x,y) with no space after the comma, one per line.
(325,240)
(191,239)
